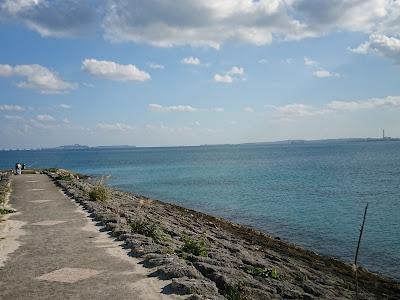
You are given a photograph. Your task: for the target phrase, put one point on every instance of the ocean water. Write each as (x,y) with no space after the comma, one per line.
(313,195)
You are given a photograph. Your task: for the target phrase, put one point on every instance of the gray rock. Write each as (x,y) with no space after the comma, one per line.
(184,286)
(177,270)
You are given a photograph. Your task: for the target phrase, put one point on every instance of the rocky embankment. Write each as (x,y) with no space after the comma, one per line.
(210,258)
(5,183)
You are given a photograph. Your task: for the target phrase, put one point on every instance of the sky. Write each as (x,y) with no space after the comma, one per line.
(179,72)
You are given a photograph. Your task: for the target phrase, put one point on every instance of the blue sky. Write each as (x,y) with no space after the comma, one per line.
(159,73)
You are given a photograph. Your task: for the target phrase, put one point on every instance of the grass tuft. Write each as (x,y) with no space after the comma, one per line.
(235,292)
(195,247)
(5,211)
(149,228)
(262,272)
(51,170)
(65,177)
(99,193)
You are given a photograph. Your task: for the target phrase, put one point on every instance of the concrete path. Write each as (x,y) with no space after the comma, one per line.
(50,249)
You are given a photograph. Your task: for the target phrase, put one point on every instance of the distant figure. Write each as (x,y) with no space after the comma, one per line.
(23,166)
(18,169)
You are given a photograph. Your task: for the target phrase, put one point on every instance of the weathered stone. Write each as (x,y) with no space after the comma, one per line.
(184,286)
(177,270)
(155,260)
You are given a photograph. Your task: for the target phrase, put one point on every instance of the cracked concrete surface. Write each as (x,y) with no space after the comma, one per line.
(52,250)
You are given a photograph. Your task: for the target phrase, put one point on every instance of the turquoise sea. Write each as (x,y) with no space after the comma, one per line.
(309,194)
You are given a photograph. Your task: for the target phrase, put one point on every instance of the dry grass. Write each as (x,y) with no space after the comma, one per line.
(99,192)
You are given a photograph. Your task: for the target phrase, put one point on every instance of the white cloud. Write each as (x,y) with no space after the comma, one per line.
(239,71)
(223,78)
(390,101)
(66,106)
(45,118)
(318,72)
(191,61)
(16,6)
(58,18)
(263,61)
(217,109)
(89,85)
(287,61)
(351,15)
(6,70)
(11,107)
(200,23)
(296,110)
(115,126)
(156,66)
(175,108)
(114,71)
(381,45)
(37,77)
(66,121)
(322,73)
(249,109)
(309,62)
(230,75)
(181,109)
(197,123)
(13,117)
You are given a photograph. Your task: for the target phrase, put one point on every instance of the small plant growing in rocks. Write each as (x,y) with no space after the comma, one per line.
(99,192)
(2,197)
(51,170)
(65,177)
(235,292)
(5,211)
(168,250)
(195,247)
(149,228)
(262,272)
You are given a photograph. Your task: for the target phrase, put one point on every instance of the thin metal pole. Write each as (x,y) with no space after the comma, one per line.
(361,232)
(358,248)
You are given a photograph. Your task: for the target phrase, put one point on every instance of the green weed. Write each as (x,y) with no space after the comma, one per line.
(149,228)
(235,292)
(5,211)
(51,170)
(65,177)
(262,272)
(195,247)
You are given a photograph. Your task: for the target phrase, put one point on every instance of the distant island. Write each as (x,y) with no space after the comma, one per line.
(282,142)
(82,147)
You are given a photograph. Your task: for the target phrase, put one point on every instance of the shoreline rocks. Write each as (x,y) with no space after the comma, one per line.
(211,258)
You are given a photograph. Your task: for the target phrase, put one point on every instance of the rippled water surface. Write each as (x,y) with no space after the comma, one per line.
(312,194)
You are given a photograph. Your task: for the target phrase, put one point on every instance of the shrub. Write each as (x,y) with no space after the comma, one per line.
(195,247)
(167,250)
(65,177)
(99,193)
(149,228)
(4,211)
(51,170)
(2,197)
(235,292)
(261,272)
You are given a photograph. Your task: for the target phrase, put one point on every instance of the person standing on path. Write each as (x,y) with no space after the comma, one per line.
(18,169)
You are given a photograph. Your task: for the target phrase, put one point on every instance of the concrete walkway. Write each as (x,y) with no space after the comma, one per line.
(50,249)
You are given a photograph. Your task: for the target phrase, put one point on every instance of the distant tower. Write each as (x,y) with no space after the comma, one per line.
(383,134)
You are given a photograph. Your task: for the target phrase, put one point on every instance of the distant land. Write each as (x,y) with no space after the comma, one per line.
(81,147)
(283,142)
(294,142)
